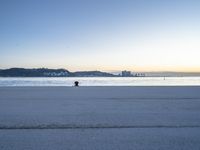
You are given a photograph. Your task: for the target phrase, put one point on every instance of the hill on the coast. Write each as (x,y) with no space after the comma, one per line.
(45,72)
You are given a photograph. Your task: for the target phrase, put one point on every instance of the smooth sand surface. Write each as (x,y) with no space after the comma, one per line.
(99,118)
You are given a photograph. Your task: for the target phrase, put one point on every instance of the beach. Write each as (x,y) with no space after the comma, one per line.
(106,117)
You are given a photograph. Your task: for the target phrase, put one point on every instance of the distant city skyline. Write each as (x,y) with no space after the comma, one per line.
(106,35)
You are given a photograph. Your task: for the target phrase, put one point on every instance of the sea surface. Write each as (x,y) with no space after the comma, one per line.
(100,81)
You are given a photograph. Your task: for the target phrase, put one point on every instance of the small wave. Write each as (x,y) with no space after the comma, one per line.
(99,126)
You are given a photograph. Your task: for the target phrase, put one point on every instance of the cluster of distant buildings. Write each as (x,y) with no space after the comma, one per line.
(129,74)
(56,74)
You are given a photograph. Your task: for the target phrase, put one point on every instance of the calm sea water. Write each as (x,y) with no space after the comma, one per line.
(101,81)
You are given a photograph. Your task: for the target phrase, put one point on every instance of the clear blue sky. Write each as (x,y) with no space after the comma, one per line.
(138,35)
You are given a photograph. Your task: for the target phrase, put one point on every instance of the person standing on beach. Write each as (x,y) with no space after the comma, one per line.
(76,83)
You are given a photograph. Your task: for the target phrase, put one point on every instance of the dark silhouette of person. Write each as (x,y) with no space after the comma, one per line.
(76,83)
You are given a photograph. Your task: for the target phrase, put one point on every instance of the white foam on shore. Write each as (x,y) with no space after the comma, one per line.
(101,81)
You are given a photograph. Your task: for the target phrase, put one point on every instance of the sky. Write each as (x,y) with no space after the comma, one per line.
(106,35)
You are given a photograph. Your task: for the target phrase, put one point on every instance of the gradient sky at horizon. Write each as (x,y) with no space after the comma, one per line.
(108,35)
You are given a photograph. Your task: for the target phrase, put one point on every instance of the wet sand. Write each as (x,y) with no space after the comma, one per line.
(99,118)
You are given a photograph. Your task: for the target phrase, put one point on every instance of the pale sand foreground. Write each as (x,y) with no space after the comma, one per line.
(124,118)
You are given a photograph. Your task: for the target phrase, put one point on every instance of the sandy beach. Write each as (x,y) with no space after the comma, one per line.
(100,118)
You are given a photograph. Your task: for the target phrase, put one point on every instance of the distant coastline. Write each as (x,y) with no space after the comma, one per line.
(45,72)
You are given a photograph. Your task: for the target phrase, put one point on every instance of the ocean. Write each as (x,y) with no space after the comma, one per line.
(100,81)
